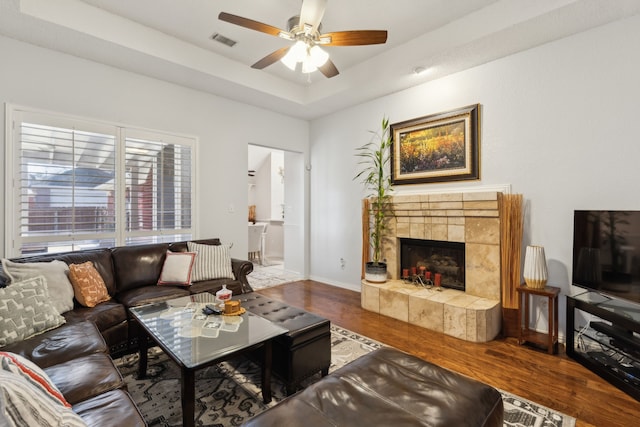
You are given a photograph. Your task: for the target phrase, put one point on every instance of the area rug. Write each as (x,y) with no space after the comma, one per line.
(270,275)
(228,394)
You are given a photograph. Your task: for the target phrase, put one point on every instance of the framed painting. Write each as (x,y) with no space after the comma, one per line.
(441,147)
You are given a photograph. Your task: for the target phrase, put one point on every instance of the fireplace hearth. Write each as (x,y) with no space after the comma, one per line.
(429,258)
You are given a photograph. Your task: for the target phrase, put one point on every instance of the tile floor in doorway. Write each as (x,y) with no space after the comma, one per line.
(270,274)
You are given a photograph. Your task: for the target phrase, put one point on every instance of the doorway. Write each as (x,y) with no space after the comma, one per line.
(276,189)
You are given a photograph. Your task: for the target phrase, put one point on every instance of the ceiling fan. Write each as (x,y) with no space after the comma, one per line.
(305,30)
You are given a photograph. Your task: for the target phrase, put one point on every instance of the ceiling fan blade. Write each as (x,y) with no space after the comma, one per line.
(271,58)
(312,12)
(355,38)
(250,24)
(329,69)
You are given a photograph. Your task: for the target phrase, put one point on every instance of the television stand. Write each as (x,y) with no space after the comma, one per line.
(602,336)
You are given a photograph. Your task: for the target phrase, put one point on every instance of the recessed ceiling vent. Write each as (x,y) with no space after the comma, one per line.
(222,39)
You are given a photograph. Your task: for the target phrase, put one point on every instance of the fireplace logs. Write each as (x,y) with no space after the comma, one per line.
(444,261)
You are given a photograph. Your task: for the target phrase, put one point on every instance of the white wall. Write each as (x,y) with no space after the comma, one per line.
(558,123)
(262,191)
(277,185)
(49,80)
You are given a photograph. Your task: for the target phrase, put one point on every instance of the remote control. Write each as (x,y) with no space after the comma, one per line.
(209,309)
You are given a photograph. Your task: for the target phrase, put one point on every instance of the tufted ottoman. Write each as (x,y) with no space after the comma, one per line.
(304,350)
(388,387)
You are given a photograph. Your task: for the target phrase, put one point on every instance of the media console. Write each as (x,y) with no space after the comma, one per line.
(606,340)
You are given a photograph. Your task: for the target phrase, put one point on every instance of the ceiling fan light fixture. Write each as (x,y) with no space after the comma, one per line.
(318,55)
(310,57)
(297,53)
(289,61)
(308,66)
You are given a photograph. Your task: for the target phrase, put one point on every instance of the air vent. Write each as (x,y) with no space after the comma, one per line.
(222,39)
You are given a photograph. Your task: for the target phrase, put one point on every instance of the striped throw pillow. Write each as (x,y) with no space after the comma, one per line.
(23,404)
(11,362)
(212,262)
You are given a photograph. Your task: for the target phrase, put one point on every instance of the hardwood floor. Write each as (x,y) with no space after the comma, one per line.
(554,381)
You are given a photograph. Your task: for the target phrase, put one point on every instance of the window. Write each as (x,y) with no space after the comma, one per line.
(77,184)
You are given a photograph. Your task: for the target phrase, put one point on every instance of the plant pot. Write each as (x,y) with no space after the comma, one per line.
(375,272)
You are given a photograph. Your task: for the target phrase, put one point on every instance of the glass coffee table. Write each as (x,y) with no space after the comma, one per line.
(194,340)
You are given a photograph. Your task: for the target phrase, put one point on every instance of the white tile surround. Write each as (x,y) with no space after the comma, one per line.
(471,218)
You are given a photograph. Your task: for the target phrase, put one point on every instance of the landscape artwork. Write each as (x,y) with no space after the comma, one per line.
(437,148)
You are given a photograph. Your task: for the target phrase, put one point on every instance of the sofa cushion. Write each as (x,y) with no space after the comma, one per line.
(137,266)
(214,285)
(88,286)
(177,269)
(26,310)
(105,315)
(92,375)
(389,387)
(182,246)
(149,294)
(113,408)
(212,262)
(61,344)
(23,404)
(12,362)
(55,273)
(101,259)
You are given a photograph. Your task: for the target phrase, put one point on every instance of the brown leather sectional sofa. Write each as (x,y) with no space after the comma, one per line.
(383,387)
(76,359)
(76,355)
(131,274)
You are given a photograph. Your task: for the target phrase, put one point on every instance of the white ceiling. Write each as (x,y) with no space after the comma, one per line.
(170,40)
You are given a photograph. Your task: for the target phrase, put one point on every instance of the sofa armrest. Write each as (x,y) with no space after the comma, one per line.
(241,269)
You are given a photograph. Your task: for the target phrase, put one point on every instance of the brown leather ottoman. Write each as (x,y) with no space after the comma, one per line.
(304,350)
(389,388)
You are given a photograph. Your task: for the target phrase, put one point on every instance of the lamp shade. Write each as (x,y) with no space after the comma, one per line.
(318,56)
(297,53)
(535,267)
(311,57)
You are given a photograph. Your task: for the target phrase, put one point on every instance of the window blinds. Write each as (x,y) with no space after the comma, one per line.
(80,186)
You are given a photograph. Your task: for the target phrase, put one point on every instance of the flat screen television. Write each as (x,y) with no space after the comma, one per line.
(606,252)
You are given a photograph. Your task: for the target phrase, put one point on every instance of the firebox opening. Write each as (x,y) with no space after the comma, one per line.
(445,258)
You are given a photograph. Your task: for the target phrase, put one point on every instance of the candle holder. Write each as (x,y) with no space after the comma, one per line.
(421,280)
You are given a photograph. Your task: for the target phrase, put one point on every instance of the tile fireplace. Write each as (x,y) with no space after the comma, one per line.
(472,219)
(467,227)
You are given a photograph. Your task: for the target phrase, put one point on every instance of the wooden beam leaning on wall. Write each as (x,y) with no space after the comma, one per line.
(511,214)
(365,235)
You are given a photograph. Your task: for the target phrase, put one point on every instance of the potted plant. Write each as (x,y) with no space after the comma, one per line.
(375,159)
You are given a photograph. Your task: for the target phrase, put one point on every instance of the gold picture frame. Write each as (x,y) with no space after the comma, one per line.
(440,147)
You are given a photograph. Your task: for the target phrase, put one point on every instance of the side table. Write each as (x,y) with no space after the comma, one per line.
(549,339)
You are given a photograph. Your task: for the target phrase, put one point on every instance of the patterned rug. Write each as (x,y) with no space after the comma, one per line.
(227,394)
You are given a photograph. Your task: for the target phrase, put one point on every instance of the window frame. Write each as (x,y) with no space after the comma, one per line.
(17,114)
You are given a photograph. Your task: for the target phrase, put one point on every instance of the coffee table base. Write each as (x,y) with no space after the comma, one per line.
(188,383)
